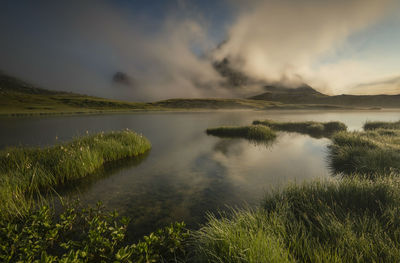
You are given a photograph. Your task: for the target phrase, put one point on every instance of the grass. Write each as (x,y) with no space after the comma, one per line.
(312,128)
(373,125)
(351,220)
(354,218)
(373,153)
(25,172)
(253,132)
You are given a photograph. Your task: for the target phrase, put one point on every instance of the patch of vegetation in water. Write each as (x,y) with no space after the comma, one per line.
(312,128)
(27,172)
(372,153)
(253,132)
(350,220)
(373,125)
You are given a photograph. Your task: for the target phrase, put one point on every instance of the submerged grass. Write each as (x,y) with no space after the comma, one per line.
(253,132)
(312,128)
(26,172)
(351,220)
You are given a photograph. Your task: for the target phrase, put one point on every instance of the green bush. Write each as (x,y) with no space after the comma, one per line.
(84,235)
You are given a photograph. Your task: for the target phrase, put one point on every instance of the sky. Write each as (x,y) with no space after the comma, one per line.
(167,48)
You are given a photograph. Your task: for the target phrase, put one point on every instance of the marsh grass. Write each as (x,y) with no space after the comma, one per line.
(29,172)
(253,133)
(373,125)
(373,153)
(312,128)
(350,220)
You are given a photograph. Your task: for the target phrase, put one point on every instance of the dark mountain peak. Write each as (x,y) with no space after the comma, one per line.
(302,89)
(234,77)
(123,78)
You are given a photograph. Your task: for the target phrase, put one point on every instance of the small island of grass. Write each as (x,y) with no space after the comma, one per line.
(253,132)
(312,128)
(372,152)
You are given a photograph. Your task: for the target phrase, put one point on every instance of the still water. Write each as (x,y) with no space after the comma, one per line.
(187,173)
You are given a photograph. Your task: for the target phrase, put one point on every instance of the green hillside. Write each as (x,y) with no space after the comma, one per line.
(307,95)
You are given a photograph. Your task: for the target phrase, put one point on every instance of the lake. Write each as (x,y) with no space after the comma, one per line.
(187,173)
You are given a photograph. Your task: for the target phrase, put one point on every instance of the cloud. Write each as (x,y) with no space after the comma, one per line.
(385,86)
(279,40)
(79,46)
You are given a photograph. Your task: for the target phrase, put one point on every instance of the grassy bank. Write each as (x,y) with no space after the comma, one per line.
(312,128)
(25,172)
(253,133)
(352,220)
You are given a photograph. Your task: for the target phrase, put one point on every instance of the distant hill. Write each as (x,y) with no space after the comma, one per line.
(305,94)
(18,98)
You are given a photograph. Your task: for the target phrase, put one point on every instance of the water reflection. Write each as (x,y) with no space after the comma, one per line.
(187,173)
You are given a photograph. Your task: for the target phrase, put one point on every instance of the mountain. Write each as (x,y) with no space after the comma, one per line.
(305,94)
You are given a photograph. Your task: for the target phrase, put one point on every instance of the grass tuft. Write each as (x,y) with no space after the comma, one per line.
(351,220)
(373,125)
(315,129)
(374,153)
(254,132)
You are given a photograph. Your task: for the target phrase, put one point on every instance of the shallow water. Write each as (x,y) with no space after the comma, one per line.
(187,173)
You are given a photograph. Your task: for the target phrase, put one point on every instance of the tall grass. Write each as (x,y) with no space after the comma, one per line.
(254,132)
(315,129)
(351,220)
(373,153)
(25,172)
(373,125)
